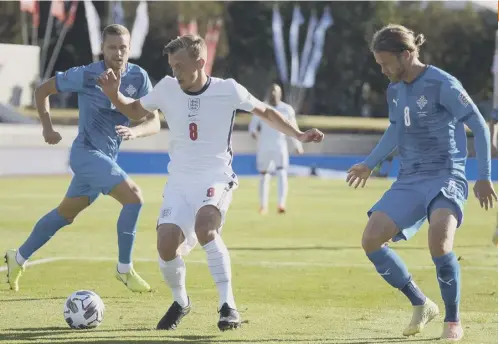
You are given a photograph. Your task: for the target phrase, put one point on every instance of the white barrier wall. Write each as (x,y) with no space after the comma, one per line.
(15,135)
(19,68)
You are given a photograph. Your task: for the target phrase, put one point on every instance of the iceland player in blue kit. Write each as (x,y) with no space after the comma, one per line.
(427,109)
(93,154)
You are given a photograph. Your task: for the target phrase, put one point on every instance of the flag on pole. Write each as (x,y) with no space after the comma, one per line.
(307,48)
(118,13)
(294,36)
(319,37)
(28,5)
(139,30)
(279,51)
(182,28)
(211,38)
(192,27)
(68,24)
(57,10)
(35,23)
(93,23)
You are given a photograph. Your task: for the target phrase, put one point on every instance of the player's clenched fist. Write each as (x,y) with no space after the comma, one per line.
(109,82)
(51,137)
(311,135)
(358,174)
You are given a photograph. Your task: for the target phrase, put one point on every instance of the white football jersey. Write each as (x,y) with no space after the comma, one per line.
(200,137)
(269,138)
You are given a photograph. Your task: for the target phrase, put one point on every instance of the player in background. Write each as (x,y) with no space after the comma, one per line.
(427,110)
(273,150)
(493,123)
(93,154)
(200,112)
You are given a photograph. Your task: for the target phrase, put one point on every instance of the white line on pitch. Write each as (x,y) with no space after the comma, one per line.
(257,263)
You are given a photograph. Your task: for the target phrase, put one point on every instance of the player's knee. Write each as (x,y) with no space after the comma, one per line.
(71,207)
(443,223)
(208,220)
(169,239)
(137,194)
(67,214)
(379,230)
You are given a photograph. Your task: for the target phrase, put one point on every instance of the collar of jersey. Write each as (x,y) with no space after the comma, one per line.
(419,76)
(202,90)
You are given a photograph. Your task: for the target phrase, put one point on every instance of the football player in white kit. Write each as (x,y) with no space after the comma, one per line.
(272,150)
(200,113)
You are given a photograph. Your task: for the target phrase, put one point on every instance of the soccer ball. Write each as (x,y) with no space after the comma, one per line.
(83,309)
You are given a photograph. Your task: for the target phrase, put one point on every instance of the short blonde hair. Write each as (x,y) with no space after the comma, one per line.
(115,30)
(395,39)
(194,44)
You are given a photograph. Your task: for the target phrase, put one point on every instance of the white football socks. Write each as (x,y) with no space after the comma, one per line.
(219,265)
(124,268)
(20,259)
(174,272)
(264,190)
(282,187)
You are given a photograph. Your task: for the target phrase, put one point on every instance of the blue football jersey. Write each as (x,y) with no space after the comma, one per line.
(97,115)
(429,114)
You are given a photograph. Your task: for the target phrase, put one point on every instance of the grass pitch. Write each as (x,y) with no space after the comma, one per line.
(298,278)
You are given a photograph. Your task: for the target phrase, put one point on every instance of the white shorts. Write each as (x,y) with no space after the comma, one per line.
(267,161)
(183,198)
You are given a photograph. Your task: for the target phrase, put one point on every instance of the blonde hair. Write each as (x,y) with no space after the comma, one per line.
(395,39)
(115,30)
(194,44)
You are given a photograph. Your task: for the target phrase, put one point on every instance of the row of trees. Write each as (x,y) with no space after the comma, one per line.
(462,41)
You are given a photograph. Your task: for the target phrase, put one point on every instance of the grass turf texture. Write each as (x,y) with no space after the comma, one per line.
(298,278)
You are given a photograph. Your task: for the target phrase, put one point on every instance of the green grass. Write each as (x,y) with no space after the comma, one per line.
(298,278)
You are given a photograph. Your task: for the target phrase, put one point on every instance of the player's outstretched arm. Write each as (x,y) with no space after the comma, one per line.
(110,84)
(277,121)
(42,94)
(359,173)
(296,144)
(149,126)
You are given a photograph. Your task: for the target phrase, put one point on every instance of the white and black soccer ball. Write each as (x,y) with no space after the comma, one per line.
(83,309)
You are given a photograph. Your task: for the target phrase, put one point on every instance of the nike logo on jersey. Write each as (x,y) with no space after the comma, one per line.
(395,101)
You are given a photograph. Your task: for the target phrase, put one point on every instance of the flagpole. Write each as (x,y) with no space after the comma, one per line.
(35,22)
(46,41)
(24,27)
(55,54)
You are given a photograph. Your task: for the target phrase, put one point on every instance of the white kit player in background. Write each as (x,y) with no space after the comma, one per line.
(272,152)
(200,113)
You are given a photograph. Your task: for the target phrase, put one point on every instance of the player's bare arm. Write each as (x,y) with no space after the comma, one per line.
(279,122)
(42,94)
(149,126)
(110,84)
(359,173)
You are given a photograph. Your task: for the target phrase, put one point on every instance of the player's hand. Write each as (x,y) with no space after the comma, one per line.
(126,133)
(484,191)
(51,137)
(299,151)
(358,174)
(311,135)
(109,82)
